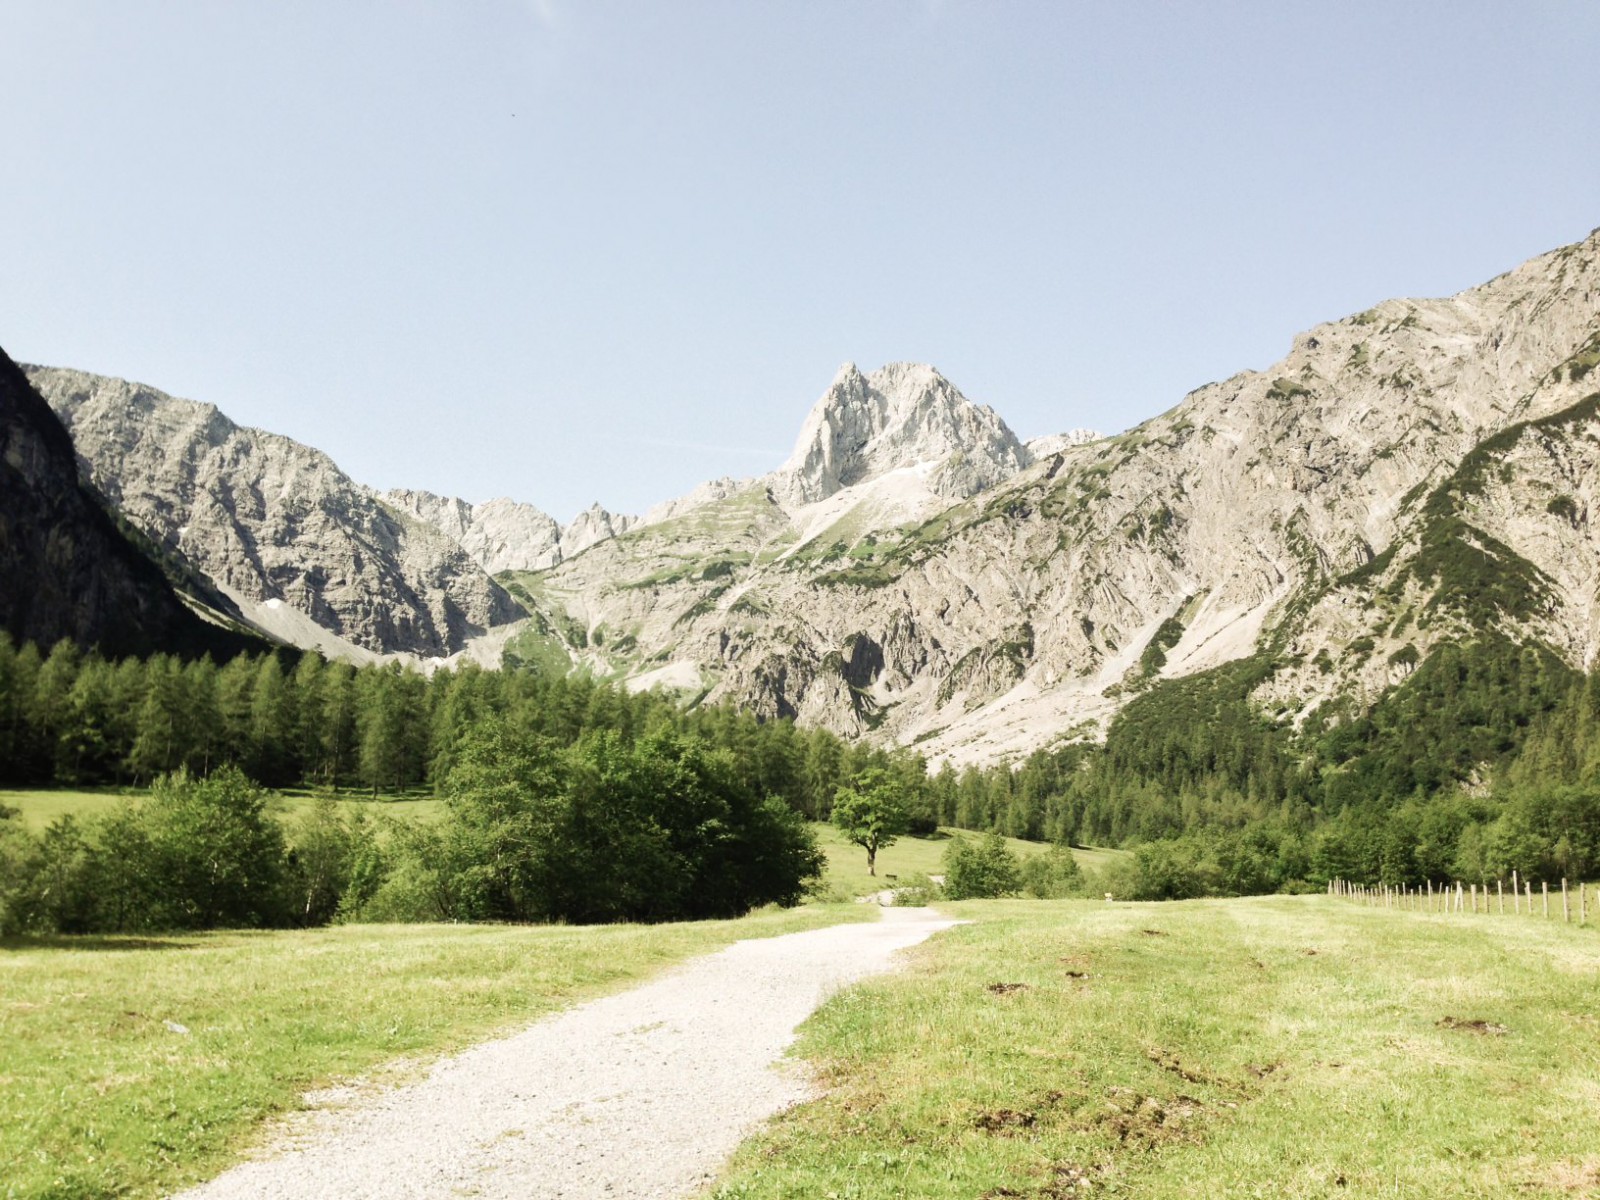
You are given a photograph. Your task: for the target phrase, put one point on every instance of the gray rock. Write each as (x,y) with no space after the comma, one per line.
(274,522)
(901,415)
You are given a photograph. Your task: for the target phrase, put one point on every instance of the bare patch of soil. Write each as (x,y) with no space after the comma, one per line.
(1483,1028)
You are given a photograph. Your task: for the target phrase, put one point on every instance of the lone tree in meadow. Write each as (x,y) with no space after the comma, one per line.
(871,812)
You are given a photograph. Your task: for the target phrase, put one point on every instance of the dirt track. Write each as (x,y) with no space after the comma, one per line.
(641,1094)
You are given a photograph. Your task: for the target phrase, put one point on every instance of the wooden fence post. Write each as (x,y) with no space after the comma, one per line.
(1516,895)
(1500,891)
(1566,907)
(1544,887)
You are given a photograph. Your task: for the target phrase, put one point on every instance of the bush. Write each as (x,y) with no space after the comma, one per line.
(916,891)
(982,870)
(1054,875)
(659,829)
(1167,870)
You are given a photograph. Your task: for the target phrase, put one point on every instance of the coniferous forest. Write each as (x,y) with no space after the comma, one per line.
(567,798)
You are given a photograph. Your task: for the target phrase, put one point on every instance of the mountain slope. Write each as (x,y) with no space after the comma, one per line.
(304,550)
(1232,523)
(68,571)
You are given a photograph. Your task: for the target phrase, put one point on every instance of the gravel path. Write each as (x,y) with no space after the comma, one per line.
(641,1094)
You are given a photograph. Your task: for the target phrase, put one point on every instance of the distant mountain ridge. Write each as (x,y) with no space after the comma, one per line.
(1294,514)
(1417,473)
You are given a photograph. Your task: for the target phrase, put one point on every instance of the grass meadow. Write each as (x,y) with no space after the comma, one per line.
(846,870)
(1279,1047)
(130,1066)
(39,808)
(845,874)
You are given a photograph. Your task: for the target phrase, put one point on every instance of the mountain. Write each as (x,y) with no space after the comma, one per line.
(303,550)
(69,570)
(1406,476)
(504,535)
(1411,477)
(902,416)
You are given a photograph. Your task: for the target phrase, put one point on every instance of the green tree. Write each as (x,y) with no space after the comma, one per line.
(871,812)
(217,855)
(323,849)
(499,850)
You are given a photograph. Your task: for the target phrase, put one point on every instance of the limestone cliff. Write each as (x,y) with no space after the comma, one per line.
(1293,512)
(273,523)
(903,415)
(66,569)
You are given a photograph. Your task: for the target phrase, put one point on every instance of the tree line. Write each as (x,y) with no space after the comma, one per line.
(289,719)
(1484,760)
(563,798)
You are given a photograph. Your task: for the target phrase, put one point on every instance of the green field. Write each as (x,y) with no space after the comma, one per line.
(100,1096)
(846,868)
(1277,1047)
(40,808)
(847,863)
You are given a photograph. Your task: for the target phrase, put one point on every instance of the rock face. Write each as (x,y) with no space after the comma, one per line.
(501,534)
(66,569)
(1419,472)
(900,416)
(1043,447)
(273,523)
(1315,513)
(593,524)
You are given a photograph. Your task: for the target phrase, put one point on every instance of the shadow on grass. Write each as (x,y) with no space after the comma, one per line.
(95,941)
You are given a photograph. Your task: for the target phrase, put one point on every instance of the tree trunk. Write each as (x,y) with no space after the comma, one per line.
(872,859)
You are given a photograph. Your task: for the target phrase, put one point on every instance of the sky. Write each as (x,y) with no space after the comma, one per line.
(572,251)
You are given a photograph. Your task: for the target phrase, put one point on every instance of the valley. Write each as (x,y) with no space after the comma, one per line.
(915,575)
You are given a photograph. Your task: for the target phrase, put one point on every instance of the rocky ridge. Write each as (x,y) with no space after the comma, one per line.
(903,415)
(914,573)
(69,571)
(306,553)
(1287,512)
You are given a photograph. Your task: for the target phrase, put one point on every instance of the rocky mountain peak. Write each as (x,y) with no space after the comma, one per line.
(593,524)
(901,415)
(1054,443)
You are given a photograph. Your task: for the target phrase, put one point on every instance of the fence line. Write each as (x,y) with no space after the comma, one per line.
(1461,898)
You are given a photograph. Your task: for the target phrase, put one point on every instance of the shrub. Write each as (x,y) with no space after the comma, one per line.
(981,870)
(916,891)
(1053,875)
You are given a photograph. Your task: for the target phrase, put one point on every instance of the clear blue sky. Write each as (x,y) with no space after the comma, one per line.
(572,251)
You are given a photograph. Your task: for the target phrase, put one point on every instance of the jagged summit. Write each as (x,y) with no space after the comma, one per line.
(901,415)
(1053,443)
(507,535)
